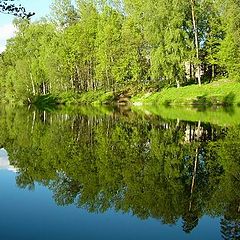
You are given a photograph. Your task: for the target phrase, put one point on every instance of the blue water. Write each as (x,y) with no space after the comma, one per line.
(32,214)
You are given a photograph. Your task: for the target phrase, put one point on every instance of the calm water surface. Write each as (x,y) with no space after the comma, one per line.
(101,174)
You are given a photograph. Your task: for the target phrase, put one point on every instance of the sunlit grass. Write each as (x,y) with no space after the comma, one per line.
(222,92)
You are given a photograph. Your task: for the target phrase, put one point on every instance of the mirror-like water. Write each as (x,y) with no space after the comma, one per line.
(98,174)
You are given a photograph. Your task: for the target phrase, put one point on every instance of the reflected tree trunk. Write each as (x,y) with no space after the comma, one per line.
(33,121)
(198,131)
(44,116)
(194,177)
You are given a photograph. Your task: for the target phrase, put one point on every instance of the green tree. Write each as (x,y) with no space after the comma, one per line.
(229,49)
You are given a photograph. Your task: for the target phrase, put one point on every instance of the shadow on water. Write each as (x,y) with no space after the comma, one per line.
(229,99)
(202,103)
(228,103)
(167,103)
(152,167)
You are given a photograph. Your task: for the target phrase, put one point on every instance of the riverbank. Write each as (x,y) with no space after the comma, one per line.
(217,93)
(222,93)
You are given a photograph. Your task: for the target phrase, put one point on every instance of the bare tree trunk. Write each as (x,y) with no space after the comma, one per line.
(72,81)
(44,116)
(112,77)
(89,77)
(33,87)
(195,30)
(44,88)
(33,121)
(79,78)
(178,84)
(190,71)
(178,123)
(213,71)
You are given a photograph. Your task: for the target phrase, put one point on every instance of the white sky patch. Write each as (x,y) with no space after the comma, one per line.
(4,161)
(6,31)
(2,47)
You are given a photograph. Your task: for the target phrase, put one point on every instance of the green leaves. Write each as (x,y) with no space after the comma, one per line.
(116,45)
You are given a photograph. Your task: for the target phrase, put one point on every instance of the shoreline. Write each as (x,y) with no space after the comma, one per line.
(221,93)
(218,93)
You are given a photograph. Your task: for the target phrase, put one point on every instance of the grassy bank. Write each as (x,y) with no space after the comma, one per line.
(222,92)
(86,98)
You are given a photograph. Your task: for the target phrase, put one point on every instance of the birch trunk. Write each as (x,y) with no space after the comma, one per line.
(195,30)
(33,87)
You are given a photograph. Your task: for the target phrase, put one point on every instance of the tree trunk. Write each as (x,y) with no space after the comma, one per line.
(33,121)
(213,71)
(195,30)
(44,88)
(178,84)
(50,87)
(33,87)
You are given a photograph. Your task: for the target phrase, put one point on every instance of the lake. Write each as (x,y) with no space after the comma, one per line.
(102,173)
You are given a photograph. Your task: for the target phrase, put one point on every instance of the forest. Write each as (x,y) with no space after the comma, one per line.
(116,45)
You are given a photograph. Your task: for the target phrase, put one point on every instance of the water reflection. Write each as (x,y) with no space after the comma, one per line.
(146,165)
(4,162)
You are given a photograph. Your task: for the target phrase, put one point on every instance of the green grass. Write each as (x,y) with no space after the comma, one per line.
(222,92)
(96,97)
(91,97)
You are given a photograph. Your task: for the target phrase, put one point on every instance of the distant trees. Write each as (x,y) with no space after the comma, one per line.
(114,45)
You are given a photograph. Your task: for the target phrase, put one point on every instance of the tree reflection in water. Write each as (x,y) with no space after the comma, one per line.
(149,166)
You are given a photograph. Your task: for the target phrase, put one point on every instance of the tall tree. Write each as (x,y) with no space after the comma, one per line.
(196,38)
(229,53)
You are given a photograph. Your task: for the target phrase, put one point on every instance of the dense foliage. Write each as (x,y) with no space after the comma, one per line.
(89,45)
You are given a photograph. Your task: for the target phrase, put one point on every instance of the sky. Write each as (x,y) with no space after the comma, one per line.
(40,7)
